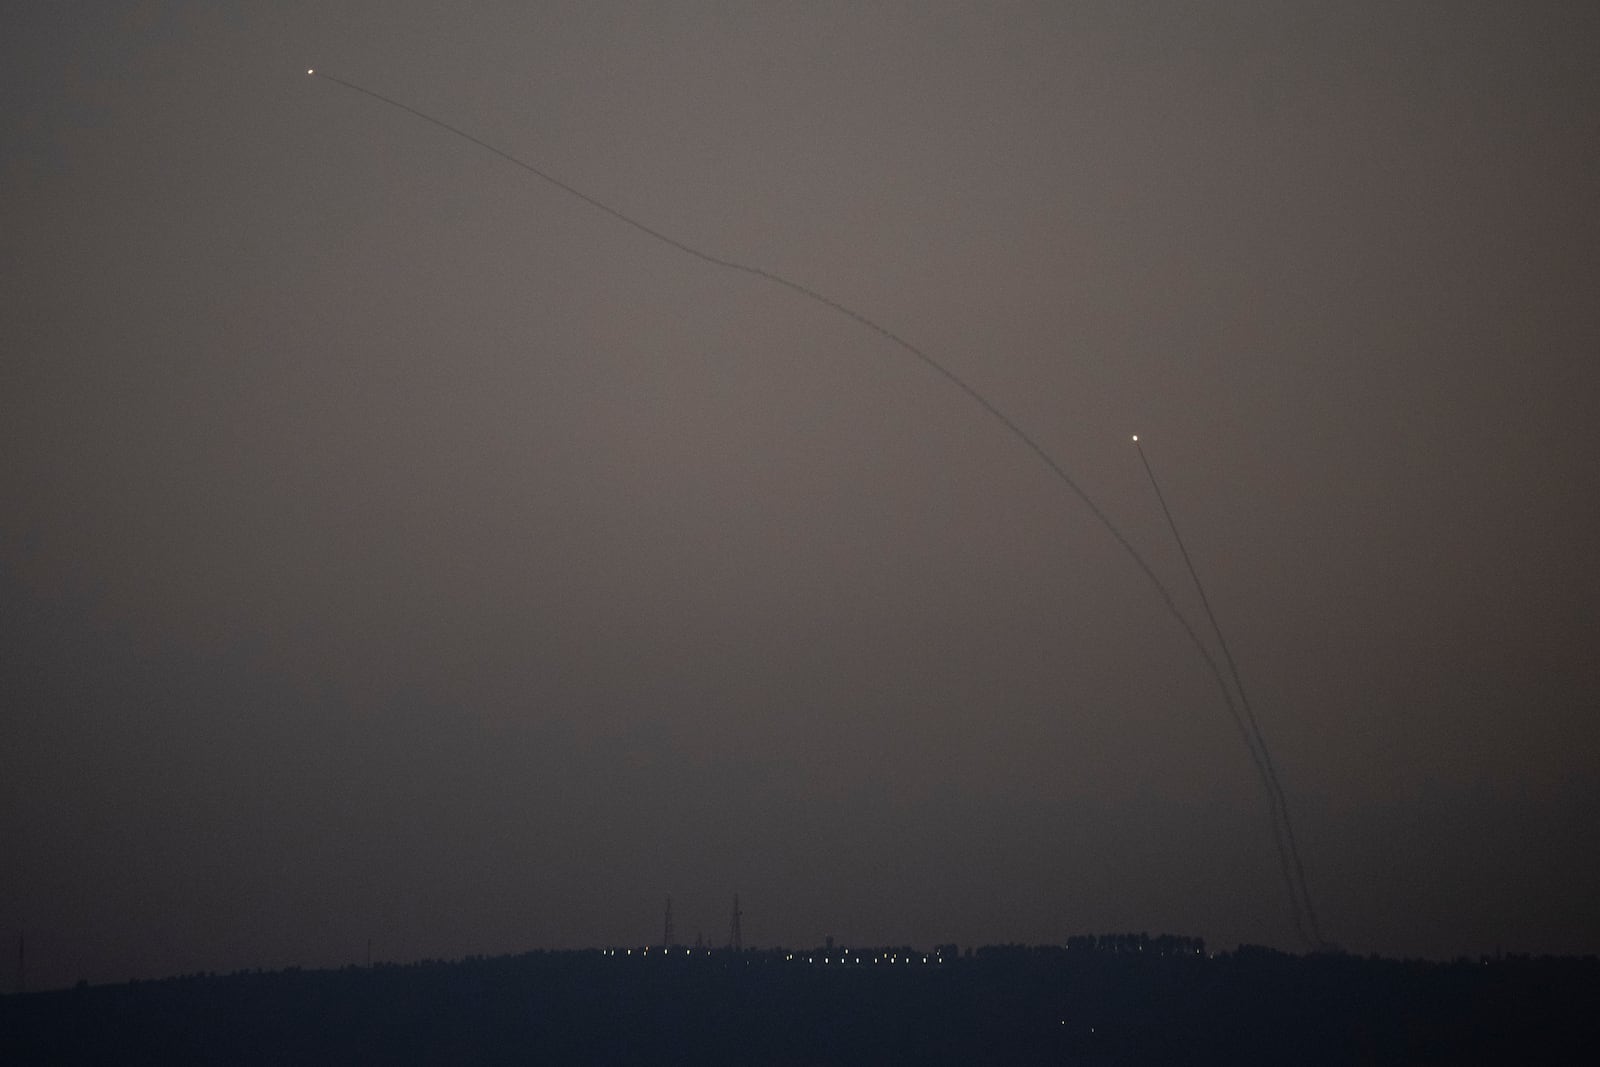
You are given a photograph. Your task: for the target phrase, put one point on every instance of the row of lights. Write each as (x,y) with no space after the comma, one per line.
(893,958)
(875,959)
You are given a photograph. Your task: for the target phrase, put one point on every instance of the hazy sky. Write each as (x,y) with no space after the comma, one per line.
(395,547)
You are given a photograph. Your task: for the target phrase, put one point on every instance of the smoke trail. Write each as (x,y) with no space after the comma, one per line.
(1283,826)
(1016,431)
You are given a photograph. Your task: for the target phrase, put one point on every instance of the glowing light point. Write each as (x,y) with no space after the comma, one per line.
(311,70)
(1136,437)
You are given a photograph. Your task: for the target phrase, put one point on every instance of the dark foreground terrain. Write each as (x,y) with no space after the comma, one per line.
(1125,999)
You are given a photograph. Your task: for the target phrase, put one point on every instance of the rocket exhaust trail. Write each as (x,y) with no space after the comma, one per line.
(932,364)
(1015,430)
(1283,827)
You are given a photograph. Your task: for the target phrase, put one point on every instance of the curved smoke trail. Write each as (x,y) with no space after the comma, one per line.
(1283,826)
(1251,738)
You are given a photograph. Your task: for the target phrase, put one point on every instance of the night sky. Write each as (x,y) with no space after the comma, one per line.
(395,547)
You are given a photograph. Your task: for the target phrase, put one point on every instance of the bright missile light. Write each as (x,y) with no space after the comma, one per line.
(1135,436)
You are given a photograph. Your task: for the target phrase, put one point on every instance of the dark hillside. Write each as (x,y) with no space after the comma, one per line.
(1107,1000)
